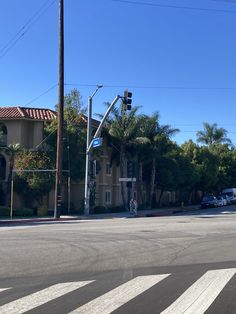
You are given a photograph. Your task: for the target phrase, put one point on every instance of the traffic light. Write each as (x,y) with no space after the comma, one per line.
(130,169)
(95,168)
(127,99)
(92,170)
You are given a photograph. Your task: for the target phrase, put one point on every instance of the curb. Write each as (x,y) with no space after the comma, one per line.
(172,212)
(140,215)
(20,221)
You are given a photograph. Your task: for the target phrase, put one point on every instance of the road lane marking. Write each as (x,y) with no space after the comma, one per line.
(115,298)
(198,298)
(3,289)
(36,299)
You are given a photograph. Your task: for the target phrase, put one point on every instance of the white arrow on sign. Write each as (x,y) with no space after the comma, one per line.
(97,142)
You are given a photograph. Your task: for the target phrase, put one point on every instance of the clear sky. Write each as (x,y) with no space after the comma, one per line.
(175,60)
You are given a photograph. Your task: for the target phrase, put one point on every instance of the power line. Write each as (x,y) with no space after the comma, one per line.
(44,93)
(25,28)
(199,124)
(189,131)
(175,6)
(157,87)
(226,1)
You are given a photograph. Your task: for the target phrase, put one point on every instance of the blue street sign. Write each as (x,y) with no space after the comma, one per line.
(97,142)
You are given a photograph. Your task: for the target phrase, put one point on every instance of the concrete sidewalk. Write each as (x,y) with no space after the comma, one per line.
(142,213)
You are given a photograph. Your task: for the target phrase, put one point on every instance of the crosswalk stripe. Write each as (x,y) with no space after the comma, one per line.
(115,298)
(31,301)
(198,298)
(3,289)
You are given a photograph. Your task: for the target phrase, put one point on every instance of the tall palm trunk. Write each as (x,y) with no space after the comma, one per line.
(160,197)
(140,182)
(123,174)
(9,179)
(152,183)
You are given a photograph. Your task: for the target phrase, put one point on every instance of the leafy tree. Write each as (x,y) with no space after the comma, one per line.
(226,166)
(206,165)
(74,139)
(166,177)
(189,176)
(34,185)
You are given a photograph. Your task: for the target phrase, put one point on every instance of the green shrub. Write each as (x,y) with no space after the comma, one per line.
(76,211)
(42,211)
(64,209)
(100,210)
(116,209)
(4,211)
(23,212)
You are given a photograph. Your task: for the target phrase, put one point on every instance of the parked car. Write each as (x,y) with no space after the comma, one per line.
(221,201)
(231,192)
(226,198)
(209,201)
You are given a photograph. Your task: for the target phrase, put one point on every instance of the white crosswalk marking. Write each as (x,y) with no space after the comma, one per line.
(3,289)
(41,297)
(113,299)
(198,298)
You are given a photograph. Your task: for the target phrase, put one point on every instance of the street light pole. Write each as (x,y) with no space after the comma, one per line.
(88,154)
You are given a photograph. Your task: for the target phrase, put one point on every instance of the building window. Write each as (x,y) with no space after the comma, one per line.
(3,135)
(2,168)
(108,169)
(144,196)
(108,197)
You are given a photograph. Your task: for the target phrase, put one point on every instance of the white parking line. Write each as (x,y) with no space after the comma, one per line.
(198,298)
(115,298)
(41,297)
(3,289)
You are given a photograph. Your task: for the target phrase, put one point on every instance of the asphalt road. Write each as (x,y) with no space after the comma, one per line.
(169,265)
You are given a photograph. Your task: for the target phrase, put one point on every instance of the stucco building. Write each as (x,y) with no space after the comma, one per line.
(20,125)
(25,126)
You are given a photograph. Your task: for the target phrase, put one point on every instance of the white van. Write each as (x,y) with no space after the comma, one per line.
(231,193)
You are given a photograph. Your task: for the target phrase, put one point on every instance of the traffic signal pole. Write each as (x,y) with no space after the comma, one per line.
(89,147)
(127,101)
(88,155)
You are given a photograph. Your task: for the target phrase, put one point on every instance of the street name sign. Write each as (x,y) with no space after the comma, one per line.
(97,142)
(127,179)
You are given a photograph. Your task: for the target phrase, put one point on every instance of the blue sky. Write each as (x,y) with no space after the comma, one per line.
(176,61)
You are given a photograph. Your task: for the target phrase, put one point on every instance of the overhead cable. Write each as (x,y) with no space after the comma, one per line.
(170,6)
(25,28)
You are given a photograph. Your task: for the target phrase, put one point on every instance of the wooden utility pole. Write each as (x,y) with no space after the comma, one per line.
(60,118)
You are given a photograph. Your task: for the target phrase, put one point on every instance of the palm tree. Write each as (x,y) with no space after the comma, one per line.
(156,138)
(212,135)
(122,127)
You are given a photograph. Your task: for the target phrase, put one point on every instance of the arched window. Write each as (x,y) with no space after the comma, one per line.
(2,167)
(3,135)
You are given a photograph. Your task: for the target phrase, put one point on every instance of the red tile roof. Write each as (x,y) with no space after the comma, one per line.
(95,123)
(27,113)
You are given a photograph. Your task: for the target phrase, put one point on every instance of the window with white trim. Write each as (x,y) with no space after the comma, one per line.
(3,135)
(108,169)
(108,197)
(144,196)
